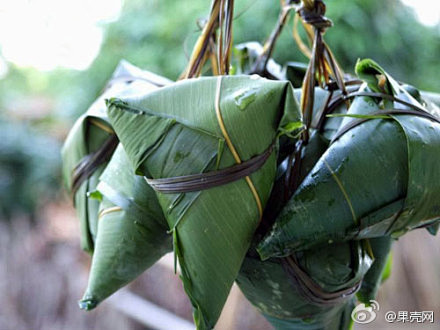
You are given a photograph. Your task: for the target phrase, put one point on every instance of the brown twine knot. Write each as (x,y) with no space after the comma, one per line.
(314,15)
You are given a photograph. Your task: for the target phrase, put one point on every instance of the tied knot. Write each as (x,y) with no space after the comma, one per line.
(315,15)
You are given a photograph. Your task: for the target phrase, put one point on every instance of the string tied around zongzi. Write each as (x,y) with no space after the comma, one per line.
(231,145)
(311,290)
(207,180)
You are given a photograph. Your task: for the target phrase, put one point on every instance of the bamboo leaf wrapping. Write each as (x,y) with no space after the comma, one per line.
(89,135)
(268,285)
(392,192)
(132,231)
(176,131)
(381,248)
(334,267)
(247,54)
(433,100)
(83,139)
(433,229)
(295,72)
(339,319)
(421,203)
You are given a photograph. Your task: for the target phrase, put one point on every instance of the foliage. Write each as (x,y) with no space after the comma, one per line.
(28,168)
(158,35)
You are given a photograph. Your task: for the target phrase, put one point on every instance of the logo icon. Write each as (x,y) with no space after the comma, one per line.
(365,314)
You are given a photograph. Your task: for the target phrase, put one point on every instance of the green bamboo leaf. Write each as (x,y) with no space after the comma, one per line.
(433,229)
(377,179)
(386,273)
(301,222)
(295,72)
(91,141)
(434,98)
(88,134)
(361,116)
(380,81)
(421,203)
(132,231)
(276,295)
(381,247)
(376,77)
(339,319)
(174,132)
(245,56)
(271,289)
(362,106)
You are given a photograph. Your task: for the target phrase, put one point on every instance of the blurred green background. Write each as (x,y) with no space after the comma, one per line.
(37,108)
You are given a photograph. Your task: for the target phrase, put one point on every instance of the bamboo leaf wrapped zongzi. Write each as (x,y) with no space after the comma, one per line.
(132,231)
(91,143)
(378,177)
(208,147)
(312,289)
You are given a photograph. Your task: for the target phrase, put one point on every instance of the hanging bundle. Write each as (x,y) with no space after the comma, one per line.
(294,194)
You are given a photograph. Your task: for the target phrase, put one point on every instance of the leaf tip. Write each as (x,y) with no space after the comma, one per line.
(264,251)
(88,303)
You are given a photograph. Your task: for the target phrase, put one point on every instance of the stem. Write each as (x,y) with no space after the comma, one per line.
(196,59)
(261,62)
(301,45)
(228,32)
(220,37)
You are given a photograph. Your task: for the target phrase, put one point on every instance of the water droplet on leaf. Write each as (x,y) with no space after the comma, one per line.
(244,97)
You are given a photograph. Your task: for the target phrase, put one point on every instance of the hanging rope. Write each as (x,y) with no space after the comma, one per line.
(208,46)
(198,56)
(262,60)
(322,64)
(322,69)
